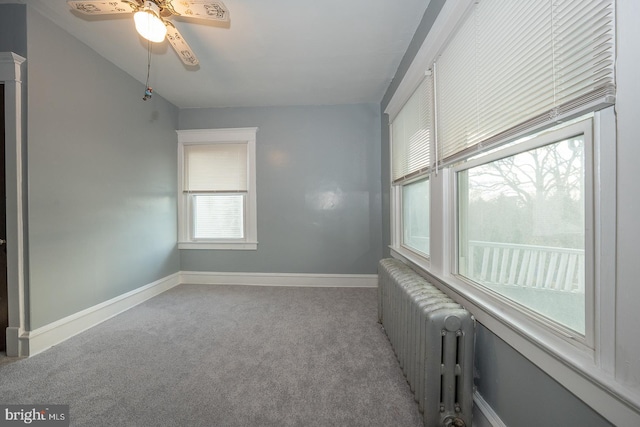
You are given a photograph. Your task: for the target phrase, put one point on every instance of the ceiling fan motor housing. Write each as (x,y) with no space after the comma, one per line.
(148,22)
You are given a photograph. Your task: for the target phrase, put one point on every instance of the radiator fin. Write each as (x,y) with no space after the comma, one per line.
(433,339)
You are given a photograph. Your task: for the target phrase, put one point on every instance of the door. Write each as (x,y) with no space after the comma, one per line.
(4,300)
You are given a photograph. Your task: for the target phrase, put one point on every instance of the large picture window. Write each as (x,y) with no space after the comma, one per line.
(522,221)
(217,199)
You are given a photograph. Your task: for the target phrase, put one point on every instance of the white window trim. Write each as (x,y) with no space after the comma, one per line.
(219,136)
(504,304)
(589,373)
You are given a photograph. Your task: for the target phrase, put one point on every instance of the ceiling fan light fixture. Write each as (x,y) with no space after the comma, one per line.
(148,23)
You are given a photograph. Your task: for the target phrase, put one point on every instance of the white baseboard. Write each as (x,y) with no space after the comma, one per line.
(38,340)
(280,279)
(483,414)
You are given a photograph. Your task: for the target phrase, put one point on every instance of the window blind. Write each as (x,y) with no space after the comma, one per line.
(218,216)
(215,168)
(412,134)
(514,65)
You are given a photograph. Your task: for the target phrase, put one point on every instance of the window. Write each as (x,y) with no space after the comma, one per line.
(217,181)
(412,132)
(522,221)
(521,213)
(415,220)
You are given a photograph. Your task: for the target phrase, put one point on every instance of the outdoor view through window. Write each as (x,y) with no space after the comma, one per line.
(522,229)
(415,209)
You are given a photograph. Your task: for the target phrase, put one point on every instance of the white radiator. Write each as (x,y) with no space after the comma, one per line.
(433,338)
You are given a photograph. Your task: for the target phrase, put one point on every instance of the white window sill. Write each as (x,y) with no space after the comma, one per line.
(406,254)
(229,246)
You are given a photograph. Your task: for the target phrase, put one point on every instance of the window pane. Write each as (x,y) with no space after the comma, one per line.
(218,216)
(522,229)
(415,215)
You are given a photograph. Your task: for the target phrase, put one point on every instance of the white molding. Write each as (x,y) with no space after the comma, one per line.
(10,66)
(230,135)
(605,161)
(280,279)
(230,246)
(56,332)
(14,343)
(11,76)
(484,415)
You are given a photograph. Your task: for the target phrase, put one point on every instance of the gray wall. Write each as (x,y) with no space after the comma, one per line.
(102,178)
(519,392)
(13,36)
(318,189)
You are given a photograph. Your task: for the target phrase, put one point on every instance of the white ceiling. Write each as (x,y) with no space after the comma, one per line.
(275,52)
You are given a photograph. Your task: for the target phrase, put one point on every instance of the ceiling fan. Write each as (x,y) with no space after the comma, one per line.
(151,21)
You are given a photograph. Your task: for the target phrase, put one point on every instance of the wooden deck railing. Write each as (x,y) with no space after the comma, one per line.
(542,267)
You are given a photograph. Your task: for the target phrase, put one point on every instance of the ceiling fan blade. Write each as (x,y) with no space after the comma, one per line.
(103,7)
(180,46)
(200,9)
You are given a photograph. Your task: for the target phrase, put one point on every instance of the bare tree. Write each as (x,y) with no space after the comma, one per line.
(546,183)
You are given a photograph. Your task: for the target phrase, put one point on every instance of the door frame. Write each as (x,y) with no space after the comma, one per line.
(11,76)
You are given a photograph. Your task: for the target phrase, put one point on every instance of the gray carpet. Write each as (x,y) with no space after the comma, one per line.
(226,356)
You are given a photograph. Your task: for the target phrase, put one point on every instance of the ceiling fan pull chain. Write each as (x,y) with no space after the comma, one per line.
(148,92)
